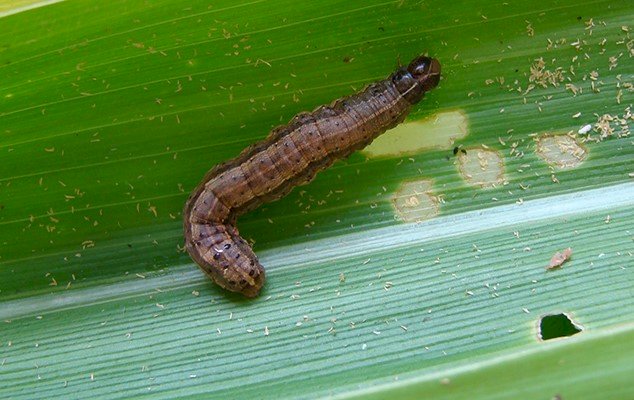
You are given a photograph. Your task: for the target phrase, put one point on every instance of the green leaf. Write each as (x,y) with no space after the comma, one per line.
(415,268)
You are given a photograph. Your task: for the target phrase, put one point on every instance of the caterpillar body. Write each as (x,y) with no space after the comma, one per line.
(291,155)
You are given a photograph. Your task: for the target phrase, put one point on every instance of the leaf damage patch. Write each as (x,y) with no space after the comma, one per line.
(561,151)
(414,201)
(560,325)
(481,166)
(438,131)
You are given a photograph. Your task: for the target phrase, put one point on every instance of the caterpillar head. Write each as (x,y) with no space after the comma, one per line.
(420,76)
(426,71)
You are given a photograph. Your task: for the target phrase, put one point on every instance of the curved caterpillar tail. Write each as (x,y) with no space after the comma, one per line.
(290,156)
(225,257)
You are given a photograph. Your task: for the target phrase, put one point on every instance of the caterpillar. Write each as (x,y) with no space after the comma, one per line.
(291,155)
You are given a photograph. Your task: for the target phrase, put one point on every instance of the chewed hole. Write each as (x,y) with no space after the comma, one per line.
(557,325)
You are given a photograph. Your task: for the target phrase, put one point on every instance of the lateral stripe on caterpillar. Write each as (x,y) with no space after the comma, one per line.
(291,155)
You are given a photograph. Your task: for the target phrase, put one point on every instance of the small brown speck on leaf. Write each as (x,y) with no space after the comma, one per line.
(559,259)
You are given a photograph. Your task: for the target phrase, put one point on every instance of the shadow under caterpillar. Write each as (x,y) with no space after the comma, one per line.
(291,155)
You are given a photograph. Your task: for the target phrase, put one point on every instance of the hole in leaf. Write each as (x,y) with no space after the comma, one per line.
(557,325)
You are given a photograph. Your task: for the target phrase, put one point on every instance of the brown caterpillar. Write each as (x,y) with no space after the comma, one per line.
(291,155)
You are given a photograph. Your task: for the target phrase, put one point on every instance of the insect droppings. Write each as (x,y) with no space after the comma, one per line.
(559,258)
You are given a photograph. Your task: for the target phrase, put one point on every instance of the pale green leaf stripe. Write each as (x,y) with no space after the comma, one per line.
(444,227)
(171,344)
(356,244)
(554,369)
(15,6)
